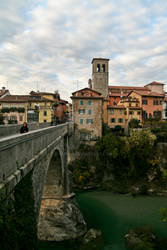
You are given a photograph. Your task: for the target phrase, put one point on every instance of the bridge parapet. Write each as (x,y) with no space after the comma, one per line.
(18,152)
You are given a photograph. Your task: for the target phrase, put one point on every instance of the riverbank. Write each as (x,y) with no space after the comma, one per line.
(115,214)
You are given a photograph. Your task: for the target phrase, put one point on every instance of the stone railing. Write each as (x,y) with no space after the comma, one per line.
(18,151)
(11,129)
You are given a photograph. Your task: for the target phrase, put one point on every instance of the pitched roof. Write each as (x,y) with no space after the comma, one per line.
(86,97)
(87,89)
(14,98)
(155,83)
(99,58)
(41,93)
(147,93)
(128,87)
(23,98)
(63,101)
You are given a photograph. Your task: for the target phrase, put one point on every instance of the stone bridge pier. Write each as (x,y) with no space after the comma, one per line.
(44,154)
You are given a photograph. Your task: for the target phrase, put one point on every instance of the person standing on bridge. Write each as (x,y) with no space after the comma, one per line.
(24,128)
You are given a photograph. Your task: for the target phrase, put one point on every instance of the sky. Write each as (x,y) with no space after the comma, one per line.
(48,45)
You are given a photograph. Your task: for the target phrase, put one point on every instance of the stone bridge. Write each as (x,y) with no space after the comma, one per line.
(43,153)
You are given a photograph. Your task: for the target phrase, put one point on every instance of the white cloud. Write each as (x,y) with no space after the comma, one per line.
(51,43)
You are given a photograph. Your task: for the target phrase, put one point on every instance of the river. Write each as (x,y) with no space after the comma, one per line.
(114,214)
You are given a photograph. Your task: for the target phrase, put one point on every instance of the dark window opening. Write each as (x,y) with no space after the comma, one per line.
(144,114)
(98,67)
(144,102)
(104,67)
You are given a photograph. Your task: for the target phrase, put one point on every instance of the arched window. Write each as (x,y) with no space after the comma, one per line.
(103,67)
(98,67)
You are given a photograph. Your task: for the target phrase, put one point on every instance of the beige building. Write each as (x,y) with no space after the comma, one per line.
(87,113)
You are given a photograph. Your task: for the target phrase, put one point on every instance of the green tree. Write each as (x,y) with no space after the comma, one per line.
(112,152)
(134,123)
(142,153)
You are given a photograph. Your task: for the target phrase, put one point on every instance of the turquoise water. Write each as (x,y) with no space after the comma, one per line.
(114,214)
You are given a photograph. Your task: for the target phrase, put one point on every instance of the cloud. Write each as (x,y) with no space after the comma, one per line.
(50,44)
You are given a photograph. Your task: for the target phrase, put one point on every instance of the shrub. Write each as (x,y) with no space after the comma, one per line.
(134,123)
(143,189)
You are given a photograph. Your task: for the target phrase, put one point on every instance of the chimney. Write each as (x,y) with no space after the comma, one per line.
(90,83)
(3,89)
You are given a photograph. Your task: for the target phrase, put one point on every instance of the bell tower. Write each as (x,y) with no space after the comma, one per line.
(100,75)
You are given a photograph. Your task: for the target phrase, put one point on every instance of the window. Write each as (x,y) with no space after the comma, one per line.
(150,116)
(98,67)
(131,112)
(129,104)
(6,118)
(89,121)
(157,114)
(13,118)
(125,112)
(144,102)
(111,111)
(89,102)
(137,105)
(103,67)
(44,120)
(45,113)
(160,102)
(89,112)
(81,111)
(114,103)
(82,93)
(120,112)
(20,118)
(144,114)
(120,120)
(81,102)
(155,102)
(89,136)
(138,112)
(81,121)
(112,120)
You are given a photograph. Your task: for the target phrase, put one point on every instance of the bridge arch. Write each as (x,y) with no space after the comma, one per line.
(53,183)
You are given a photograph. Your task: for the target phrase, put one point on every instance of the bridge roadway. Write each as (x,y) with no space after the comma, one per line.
(21,153)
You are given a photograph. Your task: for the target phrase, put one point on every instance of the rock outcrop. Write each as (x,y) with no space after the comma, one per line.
(60,220)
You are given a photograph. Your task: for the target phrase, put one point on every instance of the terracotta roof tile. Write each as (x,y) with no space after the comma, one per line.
(23,98)
(128,87)
(147,93)
(155,83)
(87,89)
(116,107)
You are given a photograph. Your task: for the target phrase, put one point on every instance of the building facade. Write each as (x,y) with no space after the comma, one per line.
(116,105)
(87,113)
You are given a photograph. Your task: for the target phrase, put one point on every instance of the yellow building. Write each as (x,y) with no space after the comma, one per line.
(39,109)
(128,108)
